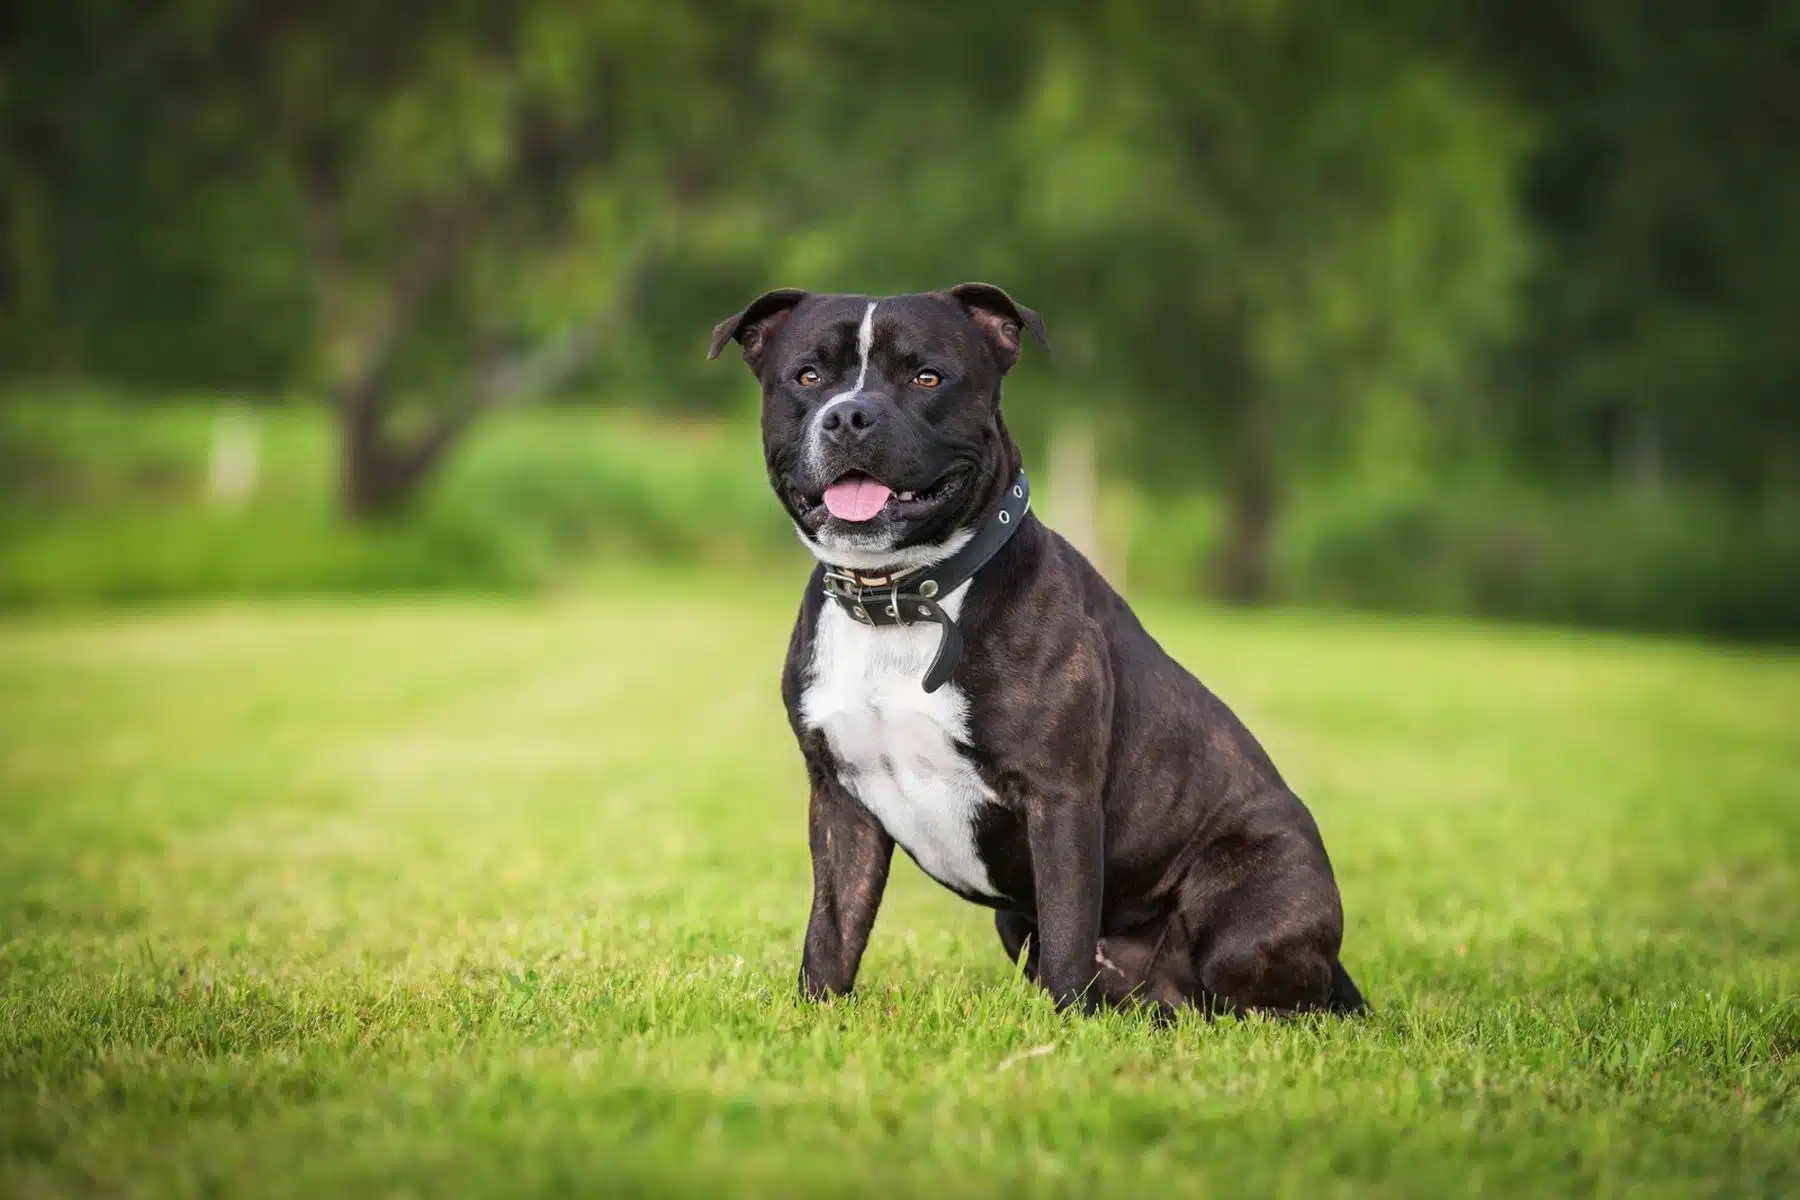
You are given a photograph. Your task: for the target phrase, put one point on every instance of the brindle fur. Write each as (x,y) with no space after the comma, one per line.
(1146,848)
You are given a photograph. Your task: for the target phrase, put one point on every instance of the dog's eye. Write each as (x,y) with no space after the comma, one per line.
(928,379)
(807,377)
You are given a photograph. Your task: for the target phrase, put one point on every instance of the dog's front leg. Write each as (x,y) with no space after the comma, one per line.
(1068,856)
(850,855)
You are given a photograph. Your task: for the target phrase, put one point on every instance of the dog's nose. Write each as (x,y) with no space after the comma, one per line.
(848,420)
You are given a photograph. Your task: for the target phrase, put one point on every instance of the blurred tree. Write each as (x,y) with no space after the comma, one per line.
(1666,187)
(456,203)
(483,189)
(1266,235)
(133,245)
(1274,246)
(1297,235)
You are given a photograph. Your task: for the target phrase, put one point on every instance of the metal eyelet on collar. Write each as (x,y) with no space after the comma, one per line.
(1005,517)
(928,589)
(1017,490)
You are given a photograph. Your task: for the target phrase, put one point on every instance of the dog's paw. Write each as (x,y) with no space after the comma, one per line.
(1084,1001)
(815,990)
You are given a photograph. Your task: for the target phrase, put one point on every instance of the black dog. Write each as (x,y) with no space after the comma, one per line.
(963,683)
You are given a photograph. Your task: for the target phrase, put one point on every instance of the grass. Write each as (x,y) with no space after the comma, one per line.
(453,896)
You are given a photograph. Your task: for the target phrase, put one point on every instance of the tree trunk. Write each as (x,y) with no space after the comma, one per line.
(1641,453)
(1245,567)
(371,489)
(380,477)
(1243,570)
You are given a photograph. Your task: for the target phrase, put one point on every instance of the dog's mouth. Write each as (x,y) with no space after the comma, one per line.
(857,498)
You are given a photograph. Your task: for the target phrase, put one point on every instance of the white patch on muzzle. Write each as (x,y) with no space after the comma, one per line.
(875,551)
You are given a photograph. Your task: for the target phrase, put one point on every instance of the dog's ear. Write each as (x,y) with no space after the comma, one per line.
(756,325)
(1000,318)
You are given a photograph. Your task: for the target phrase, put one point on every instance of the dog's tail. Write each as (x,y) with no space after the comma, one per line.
(1345,998)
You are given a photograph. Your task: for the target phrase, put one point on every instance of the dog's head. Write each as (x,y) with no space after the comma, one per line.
(881,417)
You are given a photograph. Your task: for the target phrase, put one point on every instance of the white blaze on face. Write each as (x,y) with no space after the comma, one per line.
(865,338)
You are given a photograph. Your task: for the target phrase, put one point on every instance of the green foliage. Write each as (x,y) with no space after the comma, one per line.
(1663,190)
(109,504)
(103,500)
(1228,206)
(1542,246)
(469,898)
(1653,563)
(1369,290)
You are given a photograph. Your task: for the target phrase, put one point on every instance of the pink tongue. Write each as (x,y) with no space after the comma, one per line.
(857,499)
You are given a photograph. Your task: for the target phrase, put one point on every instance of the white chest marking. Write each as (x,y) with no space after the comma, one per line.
(896,744)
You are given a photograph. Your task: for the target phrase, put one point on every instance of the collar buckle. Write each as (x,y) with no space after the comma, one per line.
(842,583)
(846,582)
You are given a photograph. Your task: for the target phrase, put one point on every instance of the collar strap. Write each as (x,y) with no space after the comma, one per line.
(909,597)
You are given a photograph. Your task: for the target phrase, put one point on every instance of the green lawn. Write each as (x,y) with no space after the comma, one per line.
(318,898)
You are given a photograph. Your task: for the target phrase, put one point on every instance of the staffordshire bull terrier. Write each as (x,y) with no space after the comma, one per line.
(965,685)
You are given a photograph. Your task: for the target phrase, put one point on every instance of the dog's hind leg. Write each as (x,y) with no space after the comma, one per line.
(1268,925)
(1270,965)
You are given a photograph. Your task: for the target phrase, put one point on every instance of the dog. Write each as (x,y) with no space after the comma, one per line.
(965,685)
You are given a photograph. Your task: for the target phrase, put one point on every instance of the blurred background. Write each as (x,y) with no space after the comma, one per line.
(1488,308)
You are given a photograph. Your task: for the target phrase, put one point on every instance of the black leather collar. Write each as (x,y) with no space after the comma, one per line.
(908,597)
